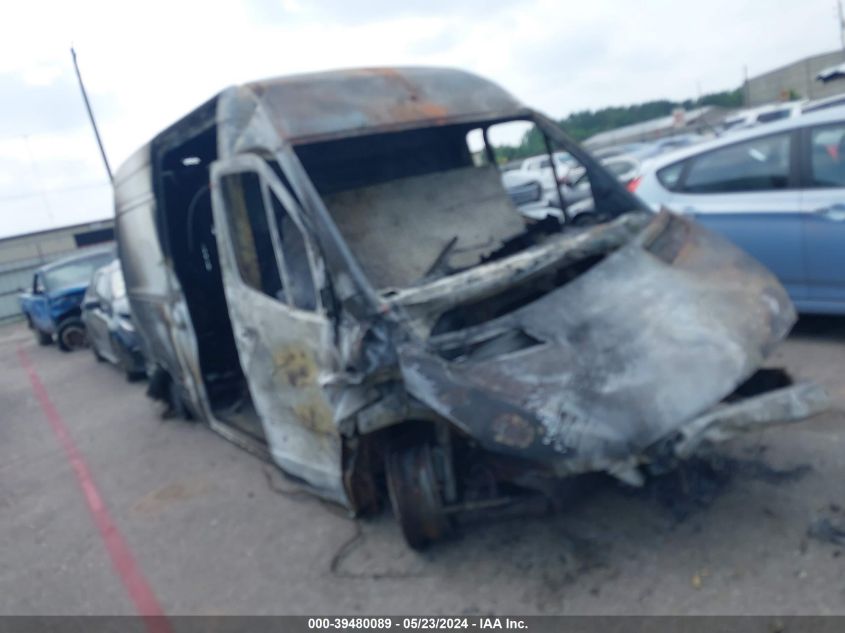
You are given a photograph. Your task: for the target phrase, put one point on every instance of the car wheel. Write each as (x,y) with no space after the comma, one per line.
(133,374)
(71,335)
(126,362)
(177,405)
(415,495)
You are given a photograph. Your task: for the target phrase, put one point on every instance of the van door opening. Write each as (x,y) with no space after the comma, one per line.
(185,203)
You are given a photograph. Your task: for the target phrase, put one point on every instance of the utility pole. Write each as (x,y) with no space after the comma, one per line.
(841,24)
(746,98)
(91,115)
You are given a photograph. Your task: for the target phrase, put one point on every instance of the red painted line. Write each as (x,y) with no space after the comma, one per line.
(136,585)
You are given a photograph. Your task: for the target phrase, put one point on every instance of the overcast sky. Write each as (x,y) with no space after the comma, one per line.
(147,63)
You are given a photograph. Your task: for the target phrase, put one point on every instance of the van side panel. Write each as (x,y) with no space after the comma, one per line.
(142,260)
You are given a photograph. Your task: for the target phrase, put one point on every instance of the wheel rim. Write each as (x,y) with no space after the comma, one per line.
(73,338)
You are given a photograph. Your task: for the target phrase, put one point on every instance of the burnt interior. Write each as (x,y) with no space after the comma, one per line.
(361,161)
(417,205)
(414,205)
(478,312)
(188,226)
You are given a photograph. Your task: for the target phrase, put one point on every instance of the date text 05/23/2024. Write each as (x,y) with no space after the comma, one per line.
(417,623)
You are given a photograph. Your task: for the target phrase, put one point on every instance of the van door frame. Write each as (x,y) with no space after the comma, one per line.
(283,369)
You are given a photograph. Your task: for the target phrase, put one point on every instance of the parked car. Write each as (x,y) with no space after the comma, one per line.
(108,322)
(630,149)
(625,168)
(821,104)
(536,202)
(540,167)
(649,149)
(751,117)
(672,143)
(385,326)
(52,305)
(577,190)
(777,191)
(527,194)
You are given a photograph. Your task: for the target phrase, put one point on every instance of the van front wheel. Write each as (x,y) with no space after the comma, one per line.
(415,494)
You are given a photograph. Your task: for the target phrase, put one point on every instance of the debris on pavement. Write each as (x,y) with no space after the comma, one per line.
(823,529)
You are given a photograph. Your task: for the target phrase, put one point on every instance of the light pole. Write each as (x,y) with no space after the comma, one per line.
(91,116)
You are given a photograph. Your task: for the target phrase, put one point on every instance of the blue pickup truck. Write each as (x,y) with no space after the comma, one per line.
(52,304)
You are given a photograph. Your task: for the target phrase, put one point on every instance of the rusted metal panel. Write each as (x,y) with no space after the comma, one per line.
(319,106)
(419,217)
(282,354)
(644,341)
(286,355)
(781,406)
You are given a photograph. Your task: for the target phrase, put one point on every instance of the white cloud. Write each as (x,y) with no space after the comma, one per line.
(146,64)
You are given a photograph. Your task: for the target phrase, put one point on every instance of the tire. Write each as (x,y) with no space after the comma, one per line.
(177,405)
(134,375)
(415,495)
(71,335)
(43,339)
(126,362)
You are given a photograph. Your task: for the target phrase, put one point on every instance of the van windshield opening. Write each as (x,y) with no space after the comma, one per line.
(414,205)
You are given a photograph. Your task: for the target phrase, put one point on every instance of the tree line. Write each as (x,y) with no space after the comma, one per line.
(586,123)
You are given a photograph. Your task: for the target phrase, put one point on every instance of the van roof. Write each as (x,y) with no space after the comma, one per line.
(333,104)
(341,103)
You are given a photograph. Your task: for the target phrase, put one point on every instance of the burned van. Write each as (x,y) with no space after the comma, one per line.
(327,270)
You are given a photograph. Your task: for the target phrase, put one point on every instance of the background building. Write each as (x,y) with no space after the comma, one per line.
(795,81)
(699,121)
(20,255)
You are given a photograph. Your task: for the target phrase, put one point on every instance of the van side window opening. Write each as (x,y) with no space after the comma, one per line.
(251,231)
(301,293)
(291,280)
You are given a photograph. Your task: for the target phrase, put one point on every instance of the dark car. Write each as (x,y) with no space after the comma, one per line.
(52,306)
(108,322)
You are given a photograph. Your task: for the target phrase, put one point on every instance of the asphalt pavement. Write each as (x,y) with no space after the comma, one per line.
(107,508)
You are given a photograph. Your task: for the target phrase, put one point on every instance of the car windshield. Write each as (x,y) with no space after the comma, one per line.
(75,273)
